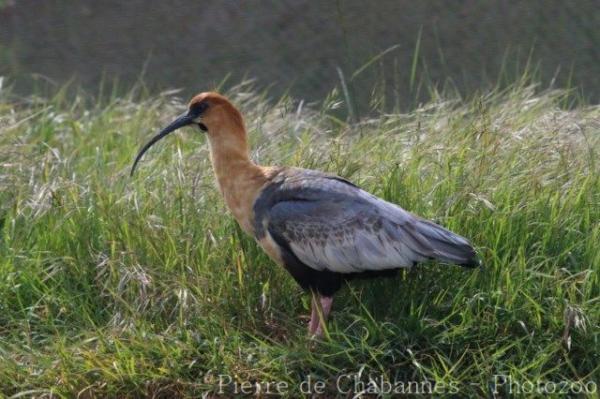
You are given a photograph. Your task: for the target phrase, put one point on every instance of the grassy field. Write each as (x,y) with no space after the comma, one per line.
(145,286)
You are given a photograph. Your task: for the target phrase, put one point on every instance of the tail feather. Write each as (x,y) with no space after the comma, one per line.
(448,246)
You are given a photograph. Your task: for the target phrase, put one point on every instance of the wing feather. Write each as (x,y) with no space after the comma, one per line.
(330,224)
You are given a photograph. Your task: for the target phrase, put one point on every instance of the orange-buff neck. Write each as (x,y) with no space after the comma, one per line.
(239,179)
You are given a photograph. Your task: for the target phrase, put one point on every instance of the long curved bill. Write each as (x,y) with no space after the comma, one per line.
(181,121)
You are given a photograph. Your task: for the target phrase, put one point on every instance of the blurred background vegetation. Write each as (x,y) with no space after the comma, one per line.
(303,47)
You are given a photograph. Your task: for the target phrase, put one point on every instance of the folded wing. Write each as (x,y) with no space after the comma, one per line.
(330,224)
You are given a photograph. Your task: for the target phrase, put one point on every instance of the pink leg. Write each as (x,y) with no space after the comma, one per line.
(314,318)
(323,306)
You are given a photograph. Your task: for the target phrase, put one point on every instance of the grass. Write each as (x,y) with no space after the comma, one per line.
(144,286)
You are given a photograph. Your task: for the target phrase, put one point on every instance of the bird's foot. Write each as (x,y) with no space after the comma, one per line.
(321,306)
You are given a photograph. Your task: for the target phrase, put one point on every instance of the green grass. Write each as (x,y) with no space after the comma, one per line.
(118,286)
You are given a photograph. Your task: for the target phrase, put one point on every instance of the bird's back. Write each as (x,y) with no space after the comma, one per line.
(330,224)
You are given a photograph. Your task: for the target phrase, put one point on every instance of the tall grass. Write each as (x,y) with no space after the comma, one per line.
(118,286)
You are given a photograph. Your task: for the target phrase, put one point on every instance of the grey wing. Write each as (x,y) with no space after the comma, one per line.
(331,225)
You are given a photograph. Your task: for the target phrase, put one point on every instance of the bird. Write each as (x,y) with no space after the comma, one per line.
(322,228)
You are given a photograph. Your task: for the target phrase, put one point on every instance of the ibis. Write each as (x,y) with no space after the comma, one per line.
(323,229)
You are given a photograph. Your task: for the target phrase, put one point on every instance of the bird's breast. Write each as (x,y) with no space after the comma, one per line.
(240,191)
(269,245)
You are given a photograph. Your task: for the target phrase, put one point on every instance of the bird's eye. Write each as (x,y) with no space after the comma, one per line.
(198,108)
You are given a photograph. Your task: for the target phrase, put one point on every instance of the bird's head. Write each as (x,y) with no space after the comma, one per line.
(212,113)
